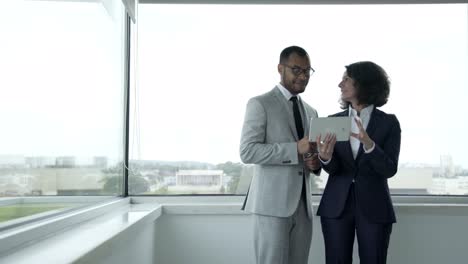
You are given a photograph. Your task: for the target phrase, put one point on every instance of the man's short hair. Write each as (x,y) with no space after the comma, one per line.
(284,56)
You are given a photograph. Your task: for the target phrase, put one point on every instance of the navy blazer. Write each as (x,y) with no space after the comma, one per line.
(369,172)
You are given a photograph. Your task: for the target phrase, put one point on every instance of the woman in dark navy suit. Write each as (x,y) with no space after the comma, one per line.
(356,199)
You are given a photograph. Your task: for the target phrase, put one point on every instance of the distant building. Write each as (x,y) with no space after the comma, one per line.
(169,180)
(100,162)
(448,180)
(40,162)
(68,181)
(200,177)
(12,161)
(414,180)
(16,184)
(65,162)
(452,186)
(447,170)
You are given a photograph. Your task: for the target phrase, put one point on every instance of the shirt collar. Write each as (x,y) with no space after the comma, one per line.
(365,112)
(287,94)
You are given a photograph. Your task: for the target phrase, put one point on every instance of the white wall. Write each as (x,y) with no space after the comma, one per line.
(135,245)
(199,234)
(203,239)
(429,235)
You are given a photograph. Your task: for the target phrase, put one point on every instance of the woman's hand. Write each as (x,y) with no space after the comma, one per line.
(326,146)
(312,162)
(362,136)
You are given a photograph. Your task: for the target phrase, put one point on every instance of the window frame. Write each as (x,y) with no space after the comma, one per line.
(89,202)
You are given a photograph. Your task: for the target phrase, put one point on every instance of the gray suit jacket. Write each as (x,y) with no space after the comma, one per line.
(269,140)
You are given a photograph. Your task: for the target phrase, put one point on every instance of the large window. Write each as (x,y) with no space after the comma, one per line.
(62,105)
(199,64)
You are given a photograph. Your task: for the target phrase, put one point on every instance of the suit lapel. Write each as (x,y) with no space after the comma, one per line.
(288,111)
(346,145)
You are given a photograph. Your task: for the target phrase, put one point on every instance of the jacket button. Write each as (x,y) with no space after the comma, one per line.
(299,173)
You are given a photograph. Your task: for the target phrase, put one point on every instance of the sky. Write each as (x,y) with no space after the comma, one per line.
(197,66)
(61,65)
(223,55)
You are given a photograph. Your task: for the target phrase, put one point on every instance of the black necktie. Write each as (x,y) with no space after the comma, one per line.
(297,118)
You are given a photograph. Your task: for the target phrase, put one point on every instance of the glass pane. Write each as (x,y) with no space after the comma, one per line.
(62,98)
(199,64)
(11,212)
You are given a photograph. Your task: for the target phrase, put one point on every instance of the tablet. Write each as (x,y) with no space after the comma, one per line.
(339,125)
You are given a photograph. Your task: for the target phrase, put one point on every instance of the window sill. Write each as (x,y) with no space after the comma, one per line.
(73,235)
(67,238)
(232,204)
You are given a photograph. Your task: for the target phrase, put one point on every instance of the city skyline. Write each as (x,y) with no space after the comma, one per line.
(17,159)
(163,177)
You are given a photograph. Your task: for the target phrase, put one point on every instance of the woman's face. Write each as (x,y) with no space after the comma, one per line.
(348,90)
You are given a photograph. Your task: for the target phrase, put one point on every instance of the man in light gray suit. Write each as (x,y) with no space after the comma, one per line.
(274,138)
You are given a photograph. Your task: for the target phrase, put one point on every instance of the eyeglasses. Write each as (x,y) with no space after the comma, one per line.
(298,70)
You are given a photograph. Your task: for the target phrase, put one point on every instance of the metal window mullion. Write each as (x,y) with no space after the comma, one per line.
(126,103)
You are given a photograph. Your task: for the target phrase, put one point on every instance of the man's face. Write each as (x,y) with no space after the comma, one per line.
(295,73)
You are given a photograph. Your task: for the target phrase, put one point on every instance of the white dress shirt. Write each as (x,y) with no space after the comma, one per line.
(287,94)
(364,116)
